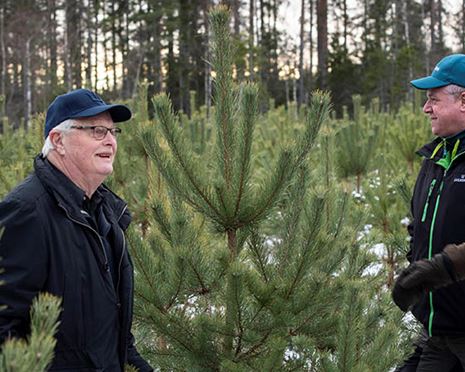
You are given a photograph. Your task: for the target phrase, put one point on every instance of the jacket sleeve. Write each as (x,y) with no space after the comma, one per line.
(410,227)
(23,264)
(134,358)
(410,232)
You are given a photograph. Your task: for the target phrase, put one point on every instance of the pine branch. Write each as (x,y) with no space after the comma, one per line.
(161,218)
(272,191)
(289,161)
(254,245)
(143,264)
(200,199)
(249,105)
(291,222)
(254,349)
(37,353)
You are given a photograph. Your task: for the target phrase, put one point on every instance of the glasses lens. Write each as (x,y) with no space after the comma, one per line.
(100,132)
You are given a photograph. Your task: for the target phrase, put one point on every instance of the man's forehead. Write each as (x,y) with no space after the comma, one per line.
(434,91)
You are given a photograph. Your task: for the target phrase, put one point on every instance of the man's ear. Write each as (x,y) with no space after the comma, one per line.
(56,138)
(462,101)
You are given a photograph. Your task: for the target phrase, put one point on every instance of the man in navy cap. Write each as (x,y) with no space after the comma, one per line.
(64,234)
(432,286)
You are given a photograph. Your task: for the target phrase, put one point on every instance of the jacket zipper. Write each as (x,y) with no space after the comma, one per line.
(425,209)
(430,253)
(430,248)
(107,267)
(122,255)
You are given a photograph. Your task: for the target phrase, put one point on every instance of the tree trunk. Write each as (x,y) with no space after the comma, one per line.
(113,45)
(301,55)
(52,45)
(27,83)
(185,23)
(236,4)
(96,32)
(77,36)
(157,51)
(106,58)
(322,26)
(89,18)
(251,39)
(463,26)
(440,39)
(124,43)
(311,47)
(432,32)
(345,18)
(3,53)
(67,47)
(263,64)
(207,76)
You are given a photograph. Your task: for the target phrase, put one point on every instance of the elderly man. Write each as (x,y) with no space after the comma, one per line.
(433,283)
(64,234)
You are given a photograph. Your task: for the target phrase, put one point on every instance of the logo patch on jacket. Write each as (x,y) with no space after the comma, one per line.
(460,179)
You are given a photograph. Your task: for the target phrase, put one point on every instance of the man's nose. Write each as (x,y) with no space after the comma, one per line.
(427,107)
(109,139)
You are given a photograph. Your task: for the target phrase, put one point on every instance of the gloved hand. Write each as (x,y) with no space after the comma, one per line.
(427,275)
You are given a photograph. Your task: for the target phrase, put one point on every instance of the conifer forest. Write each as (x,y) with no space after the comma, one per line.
(268,175)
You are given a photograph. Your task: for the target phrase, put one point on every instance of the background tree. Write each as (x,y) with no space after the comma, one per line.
(322,26)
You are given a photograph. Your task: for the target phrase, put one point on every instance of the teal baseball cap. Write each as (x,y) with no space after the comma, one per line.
(449,70)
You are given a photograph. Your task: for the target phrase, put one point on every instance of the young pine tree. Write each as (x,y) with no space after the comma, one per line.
(240,269)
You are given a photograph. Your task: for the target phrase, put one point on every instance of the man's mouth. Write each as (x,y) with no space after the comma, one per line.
(104,155)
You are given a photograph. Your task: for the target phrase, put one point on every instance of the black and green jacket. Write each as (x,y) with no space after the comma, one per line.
(438,209)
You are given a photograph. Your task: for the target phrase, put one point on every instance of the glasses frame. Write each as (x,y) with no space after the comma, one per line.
(113,131)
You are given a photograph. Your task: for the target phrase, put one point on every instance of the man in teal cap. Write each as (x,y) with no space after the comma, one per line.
(432,287)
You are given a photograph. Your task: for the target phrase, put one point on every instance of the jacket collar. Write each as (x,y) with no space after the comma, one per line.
(70,197)
(441,147)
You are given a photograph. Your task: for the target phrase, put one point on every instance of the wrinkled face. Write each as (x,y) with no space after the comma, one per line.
(86,156)
(444,110)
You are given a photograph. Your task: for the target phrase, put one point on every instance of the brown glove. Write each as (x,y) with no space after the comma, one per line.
(425,275)
(456,254)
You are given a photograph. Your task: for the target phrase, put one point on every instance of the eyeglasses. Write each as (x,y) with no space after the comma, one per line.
(97,131)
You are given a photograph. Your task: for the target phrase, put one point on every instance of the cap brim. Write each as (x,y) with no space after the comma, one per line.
(428,82)
(119,113)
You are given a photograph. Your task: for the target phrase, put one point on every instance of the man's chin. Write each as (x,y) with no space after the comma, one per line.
(106,171)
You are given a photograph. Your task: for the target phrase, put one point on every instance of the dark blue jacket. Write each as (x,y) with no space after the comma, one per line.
(438,208)
(48,245)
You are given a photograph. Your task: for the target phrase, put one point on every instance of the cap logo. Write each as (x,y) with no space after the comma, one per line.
(436,68)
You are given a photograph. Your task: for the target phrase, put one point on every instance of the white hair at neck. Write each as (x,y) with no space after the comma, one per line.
(63,127)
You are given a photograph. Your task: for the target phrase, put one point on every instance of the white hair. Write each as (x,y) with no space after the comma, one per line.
(63,127)
(455,90)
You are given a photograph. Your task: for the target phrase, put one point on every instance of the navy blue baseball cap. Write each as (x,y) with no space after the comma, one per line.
(449,70)
(81,103)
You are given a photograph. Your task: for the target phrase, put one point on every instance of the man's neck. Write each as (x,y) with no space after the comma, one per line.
(84,183)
